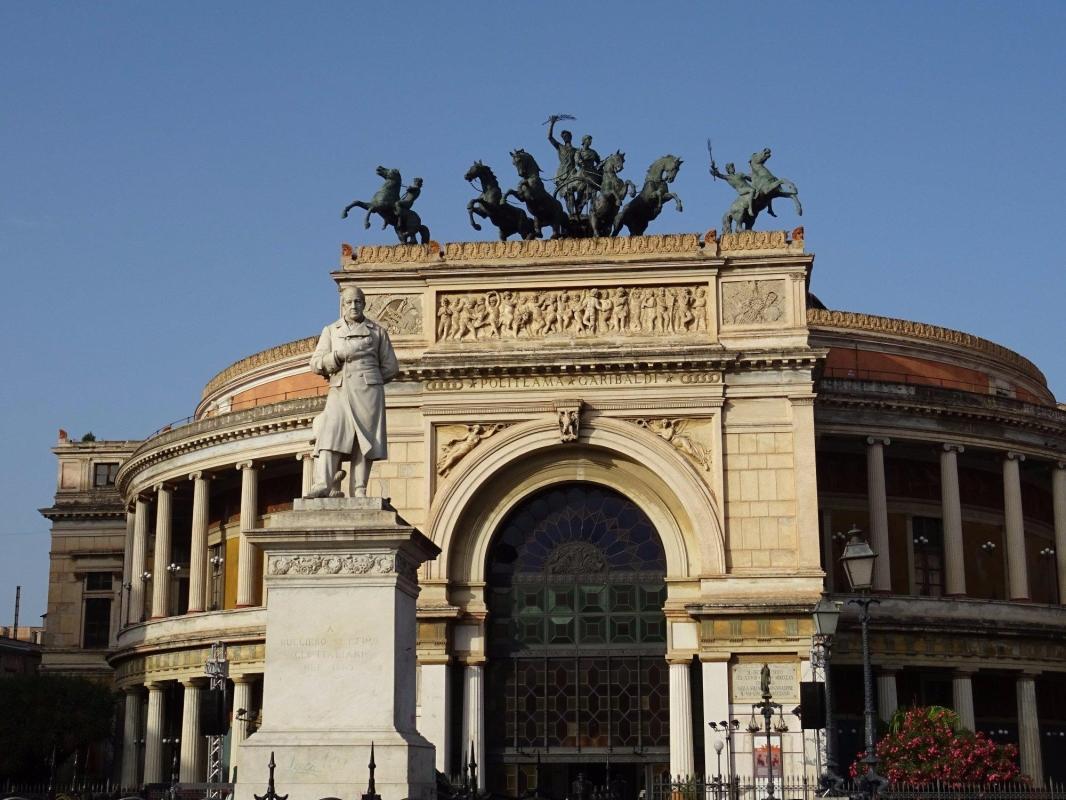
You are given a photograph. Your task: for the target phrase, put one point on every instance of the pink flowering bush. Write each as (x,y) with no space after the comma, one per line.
(927,745)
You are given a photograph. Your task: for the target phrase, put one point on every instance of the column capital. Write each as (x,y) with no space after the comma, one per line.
(950,447)
(155,686)
(1028,673)
(244,677)
(1060,465)
(163,486)
(201,475)
(882,440)
(964,672)
(305,455)
(248,464)
(679,659)
(197,682)
(1013,455)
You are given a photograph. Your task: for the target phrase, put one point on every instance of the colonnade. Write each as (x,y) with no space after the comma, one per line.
(1017,568)
(147,731)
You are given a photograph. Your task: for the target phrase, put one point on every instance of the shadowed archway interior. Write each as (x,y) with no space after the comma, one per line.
(577,677)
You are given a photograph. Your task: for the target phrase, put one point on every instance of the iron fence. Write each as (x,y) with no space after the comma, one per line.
(803,789)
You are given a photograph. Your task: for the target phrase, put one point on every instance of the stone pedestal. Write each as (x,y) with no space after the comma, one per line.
(341,583)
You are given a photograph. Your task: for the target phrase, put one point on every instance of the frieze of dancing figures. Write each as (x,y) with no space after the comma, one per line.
(595,311)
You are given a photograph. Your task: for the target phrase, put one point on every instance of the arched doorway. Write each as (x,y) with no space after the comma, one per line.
(577,679)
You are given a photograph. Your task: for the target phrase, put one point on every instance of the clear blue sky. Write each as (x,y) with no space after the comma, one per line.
(172,174)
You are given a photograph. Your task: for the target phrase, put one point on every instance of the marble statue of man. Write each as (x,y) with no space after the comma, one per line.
(355,354)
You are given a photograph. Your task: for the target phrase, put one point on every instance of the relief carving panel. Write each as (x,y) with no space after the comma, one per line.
(399,314)
(683,435)
(753,302)
(595,311)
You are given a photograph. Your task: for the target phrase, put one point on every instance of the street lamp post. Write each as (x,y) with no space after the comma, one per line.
(858,560)
(727,727)
(766,709)
(826,614)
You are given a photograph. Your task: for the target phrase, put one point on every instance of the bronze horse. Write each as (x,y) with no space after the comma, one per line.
(491,204)
(642,209)
(545,209)
(386,204)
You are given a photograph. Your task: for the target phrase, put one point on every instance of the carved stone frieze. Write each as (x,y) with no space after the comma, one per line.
(753,240)
(393,254)
(464,439)
(342,564)
(399,314)
(679,434)
(593,311)
(548,248)
(753,302)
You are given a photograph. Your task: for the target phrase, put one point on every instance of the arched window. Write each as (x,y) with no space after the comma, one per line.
(577,638)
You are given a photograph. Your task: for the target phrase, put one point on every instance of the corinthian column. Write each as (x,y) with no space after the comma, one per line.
(248,554)
(198,551)
(135,612)
(876,492)
(1017,569)
(681,756)
(1058,492)
(951,510)
(1032,763)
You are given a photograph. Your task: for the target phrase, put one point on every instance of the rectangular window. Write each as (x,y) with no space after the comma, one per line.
(96,628)
(104,474)
(217,574)
(928,538)
(98,582)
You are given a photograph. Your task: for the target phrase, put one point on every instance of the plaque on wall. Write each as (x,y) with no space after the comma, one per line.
(784,682)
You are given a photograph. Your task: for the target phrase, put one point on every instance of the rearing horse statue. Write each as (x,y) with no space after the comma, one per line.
(608,199)
(383,203)
(545,209)
(642,209)
(491,204)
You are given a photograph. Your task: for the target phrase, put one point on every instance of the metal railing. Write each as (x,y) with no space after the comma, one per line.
(804,789)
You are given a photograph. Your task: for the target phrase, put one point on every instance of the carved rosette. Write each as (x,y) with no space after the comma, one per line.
(399,314)
(658,244)
(606,311)
(368,564)
(753,302)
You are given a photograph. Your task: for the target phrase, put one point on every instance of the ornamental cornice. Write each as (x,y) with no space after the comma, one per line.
(299,347)
(852,320)
(276,418)
(930,401)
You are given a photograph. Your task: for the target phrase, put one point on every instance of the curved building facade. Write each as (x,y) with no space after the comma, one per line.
(639,458)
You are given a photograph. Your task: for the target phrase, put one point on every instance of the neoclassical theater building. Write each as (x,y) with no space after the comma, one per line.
(639,458)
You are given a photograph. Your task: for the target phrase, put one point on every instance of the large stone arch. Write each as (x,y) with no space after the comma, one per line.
(529,456)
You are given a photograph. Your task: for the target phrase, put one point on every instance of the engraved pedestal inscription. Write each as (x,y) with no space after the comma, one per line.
(341,584)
